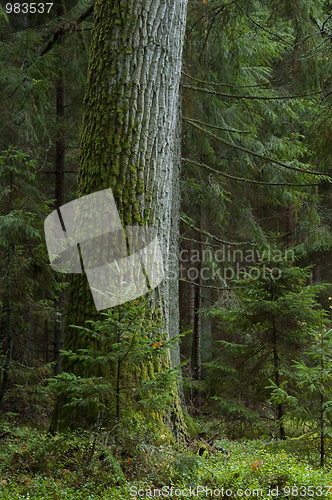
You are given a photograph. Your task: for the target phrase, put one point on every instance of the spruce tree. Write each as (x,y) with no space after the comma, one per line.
(268,325)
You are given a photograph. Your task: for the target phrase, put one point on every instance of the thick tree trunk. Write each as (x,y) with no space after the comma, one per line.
(130,135)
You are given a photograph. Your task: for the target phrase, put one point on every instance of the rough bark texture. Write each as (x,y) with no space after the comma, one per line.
(130,136)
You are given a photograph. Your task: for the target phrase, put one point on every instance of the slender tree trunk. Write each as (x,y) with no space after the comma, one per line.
(46,341)
(291,224)
(60,149)
(196,343)
(60,152)
(197,327)
(174,247)
(130,133)
(60,145)
(6,366)
(322,450)
(276,362)
(322,447)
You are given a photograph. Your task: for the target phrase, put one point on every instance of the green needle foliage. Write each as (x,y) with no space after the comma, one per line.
(244,63)
(23,256)
(310,401)
(268,324)
(128,366)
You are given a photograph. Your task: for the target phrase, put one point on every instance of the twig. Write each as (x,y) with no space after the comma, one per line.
(92,451)
(211,10)
(227,457)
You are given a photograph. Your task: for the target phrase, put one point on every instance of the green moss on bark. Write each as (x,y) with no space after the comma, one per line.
(119,115)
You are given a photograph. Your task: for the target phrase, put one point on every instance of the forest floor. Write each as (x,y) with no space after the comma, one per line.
(82,466)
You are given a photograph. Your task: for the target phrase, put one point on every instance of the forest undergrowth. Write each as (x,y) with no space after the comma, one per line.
(144,464)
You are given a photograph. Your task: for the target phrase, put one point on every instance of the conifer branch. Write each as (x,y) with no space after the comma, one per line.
(253,97)
(307,37)
(210,28)
(242,179)
(222,128)
(253,119)
(204,286)
(206,233)
(256,351)
(326,20)
(265,29)
(229,84)
(65,27)
(58,32)
(257,155)
(314,49)
(211,10)
(199,242)
(322,27)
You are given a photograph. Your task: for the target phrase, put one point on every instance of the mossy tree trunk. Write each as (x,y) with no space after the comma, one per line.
(130,136)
